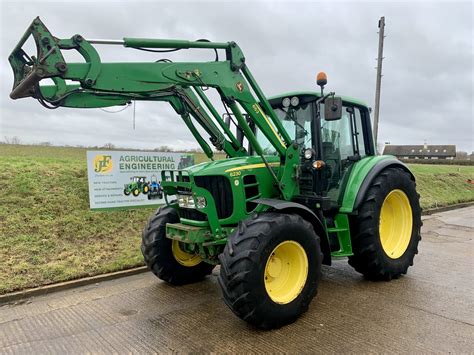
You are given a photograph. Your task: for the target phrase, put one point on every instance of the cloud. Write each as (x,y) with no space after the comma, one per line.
(427,88)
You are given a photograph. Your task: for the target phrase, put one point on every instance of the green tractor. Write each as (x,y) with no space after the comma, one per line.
(137,185)
(301,185)
(185,161)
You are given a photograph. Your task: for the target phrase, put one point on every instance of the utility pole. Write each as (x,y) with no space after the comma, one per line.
(379,79)
(134,110)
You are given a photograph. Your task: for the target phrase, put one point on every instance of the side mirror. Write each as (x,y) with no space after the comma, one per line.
(333,109)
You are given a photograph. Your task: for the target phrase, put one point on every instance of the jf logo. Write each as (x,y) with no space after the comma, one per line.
(102,163)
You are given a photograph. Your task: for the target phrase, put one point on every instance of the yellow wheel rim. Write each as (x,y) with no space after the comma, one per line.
(286,272)
(396,223)
(145,189)
(183,257)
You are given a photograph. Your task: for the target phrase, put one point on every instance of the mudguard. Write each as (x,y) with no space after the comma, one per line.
(361,176)
(306,213)
(373,173)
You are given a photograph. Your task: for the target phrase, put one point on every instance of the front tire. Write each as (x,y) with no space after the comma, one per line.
(270,269)
(165,257)
(387,227)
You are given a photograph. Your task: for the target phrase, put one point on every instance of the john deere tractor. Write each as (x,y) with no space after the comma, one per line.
(136,186)
(301,185)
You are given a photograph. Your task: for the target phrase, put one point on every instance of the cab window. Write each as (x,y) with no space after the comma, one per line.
(296,121)
(342,143)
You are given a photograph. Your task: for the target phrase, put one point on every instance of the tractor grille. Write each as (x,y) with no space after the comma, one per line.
(251,192)
(219,187)
(306,183)
(191,214)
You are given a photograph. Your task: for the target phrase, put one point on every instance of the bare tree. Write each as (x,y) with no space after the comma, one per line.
(195,150)
(163,148)
(12,140)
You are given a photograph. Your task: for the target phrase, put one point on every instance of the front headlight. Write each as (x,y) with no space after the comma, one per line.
(186,201)
(201,202)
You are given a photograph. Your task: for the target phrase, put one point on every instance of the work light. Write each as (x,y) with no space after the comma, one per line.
(308,153)
(201,202)
(286,102)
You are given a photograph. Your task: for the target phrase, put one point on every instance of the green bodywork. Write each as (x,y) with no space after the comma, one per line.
(138,183)
(183,86)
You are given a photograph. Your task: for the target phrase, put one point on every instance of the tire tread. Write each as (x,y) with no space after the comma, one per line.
(369,258)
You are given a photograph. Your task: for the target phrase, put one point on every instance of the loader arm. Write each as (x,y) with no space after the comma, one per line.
(182,84)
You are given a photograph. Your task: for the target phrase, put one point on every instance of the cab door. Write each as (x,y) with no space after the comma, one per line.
(344,142)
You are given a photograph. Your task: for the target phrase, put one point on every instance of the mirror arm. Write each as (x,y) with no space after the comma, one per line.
(323,98)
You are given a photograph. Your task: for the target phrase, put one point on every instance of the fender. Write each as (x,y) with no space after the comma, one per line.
(360,177)
(373,173)
(307,214)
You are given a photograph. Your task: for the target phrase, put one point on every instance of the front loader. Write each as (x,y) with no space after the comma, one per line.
(301,184)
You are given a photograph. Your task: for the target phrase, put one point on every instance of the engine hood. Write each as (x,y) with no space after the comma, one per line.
(227,166)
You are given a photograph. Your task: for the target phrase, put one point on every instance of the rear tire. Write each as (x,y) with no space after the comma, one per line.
(255,281)
(385,247)
(158,254)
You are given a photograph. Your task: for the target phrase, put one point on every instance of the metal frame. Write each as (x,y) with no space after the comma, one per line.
(180,84)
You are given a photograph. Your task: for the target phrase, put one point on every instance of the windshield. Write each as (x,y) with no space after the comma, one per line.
(296,121)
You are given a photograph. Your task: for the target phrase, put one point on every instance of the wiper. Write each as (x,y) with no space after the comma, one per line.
(290,116)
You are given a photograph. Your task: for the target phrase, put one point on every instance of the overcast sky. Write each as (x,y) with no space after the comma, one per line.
(427,87)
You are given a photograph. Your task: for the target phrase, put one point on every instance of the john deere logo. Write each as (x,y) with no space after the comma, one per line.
(239,86)
(103,164)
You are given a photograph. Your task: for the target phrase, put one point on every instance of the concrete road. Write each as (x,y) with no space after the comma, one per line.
(431,310)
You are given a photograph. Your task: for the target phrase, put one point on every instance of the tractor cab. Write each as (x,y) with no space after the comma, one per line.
(138,179)
(153,181)
(329,147)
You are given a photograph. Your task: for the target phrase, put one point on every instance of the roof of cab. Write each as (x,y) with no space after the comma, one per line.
(317,94)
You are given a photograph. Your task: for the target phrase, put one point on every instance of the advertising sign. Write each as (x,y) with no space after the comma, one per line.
(129,178)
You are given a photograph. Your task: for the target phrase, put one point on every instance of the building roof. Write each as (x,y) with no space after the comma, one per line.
(420,150)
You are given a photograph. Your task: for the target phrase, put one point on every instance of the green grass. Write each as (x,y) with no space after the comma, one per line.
(442,185)
(48,234)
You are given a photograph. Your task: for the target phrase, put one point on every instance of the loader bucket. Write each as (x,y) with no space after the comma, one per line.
(28,68)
